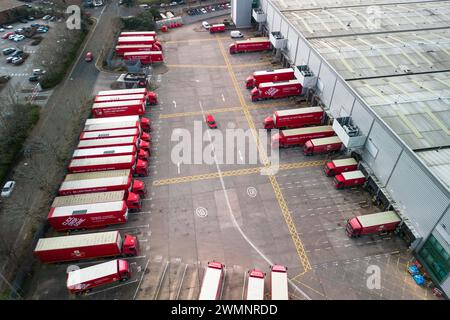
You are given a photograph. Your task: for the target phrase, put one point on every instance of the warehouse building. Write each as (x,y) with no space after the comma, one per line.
(381,70)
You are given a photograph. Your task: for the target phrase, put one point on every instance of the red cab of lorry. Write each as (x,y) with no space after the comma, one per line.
(338,166)
(85,279)
(113,142)
(145,123)
(372,224)
(139,167)
(88,216)
(215,28)
(145,57)
(259,77)
(292,137)
(349,179)
(118,108)
(101,181)
(250,45)
(86,246)
(276,90)
(322,145)
(294,118)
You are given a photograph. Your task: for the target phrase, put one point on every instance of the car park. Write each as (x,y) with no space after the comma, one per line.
(18,61)
(8,51)
(8,189)
(52,18)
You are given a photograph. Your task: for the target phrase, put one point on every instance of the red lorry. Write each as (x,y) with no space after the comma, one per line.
(145,57)
(294,118)
(134,132)
(88,216)
(274,90)
(145,40)
(322,145)
(139,167)
(113,126)
(114,142)
(138,33)
(118,108)
(250,45)
(215,28)
(121,50)
(110,152)
(86,246)
(372,224)
(269,76)
(349,179)
(101,181)
(132,199)
(292,137)
(151,96)
(337,166)
(145,123)
(212,281)
(122,97)
(85,279)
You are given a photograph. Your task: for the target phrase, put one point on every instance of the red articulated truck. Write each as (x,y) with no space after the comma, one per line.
(276,90)
(101,181)
(322,145)
(85,279)
(118,108)
(138,33)
(212,281)
(139,167)
(279,283)
(135,132)
(88,216)
(292,137)
(250,45)
(112,126)
(133,200)
(338,166)
(86,246)
(151,96)
(121,97)
(372,224)
(215,28)
(146,40)
(114,142)
(255,285)
(145,123)
(145,57)
(349,179)
(294,118)
(110,152)
(269,76)
(121,50)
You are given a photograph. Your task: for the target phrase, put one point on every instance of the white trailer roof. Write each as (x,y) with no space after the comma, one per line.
(290,112)
(100,161)
(103,151)
(77,241)
(378,218)
(143,53)
(87,198)
(107,141)
(98,175)
(344,162)
(110,133)
(120,97)
(353,175)
(211,283)
(259,39)
(87,208)
(111,125)
(116,104)
(136,38)
(121,91)
(293,132)
(134,46)
(264,72)
(278,84)
(255,288)
(94,183)
(279,285)
(126,33)
(98,121)
(327,140)
(92,273)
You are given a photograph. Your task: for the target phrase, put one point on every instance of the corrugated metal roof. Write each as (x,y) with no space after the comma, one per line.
(439,163)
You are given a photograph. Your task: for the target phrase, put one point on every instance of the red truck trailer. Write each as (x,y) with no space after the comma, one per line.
(88,216)
(86,246)
(101,181)
(255,285)
(118,108)
(110,152)
(133,200)
(322,145)
(114,142)
(250,45)
(337,166)
(292,137)
(269,76)
(145,123)
(294,118)
(349,179)
(212,281)
(134,132)
(151,96)
(139,167)
(85,279)
(138,33)
(113,126)
(145,57)
(121,50)
(215,28)
(146,40)
(276,90)
(121,97)
(372,223)
(279,283)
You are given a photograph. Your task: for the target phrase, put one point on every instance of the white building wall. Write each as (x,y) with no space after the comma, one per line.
(241,13)
(342,102)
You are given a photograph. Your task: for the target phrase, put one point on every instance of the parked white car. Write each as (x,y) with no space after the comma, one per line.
(19,38)
(8,189)
(206,25)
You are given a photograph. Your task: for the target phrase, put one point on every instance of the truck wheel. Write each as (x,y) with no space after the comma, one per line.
(124,279)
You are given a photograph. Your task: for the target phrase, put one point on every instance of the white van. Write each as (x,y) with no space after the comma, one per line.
(236,34)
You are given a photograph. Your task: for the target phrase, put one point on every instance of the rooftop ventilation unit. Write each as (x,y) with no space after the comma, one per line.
(277,40)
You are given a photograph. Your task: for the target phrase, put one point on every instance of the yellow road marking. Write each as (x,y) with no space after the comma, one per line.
(217,66)
(306,286)
(276,187)
(194,40)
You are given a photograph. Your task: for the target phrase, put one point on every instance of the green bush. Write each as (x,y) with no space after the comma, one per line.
(142,22)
